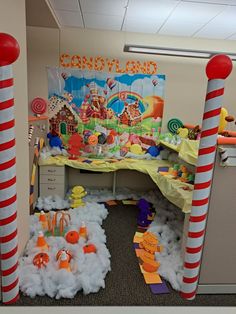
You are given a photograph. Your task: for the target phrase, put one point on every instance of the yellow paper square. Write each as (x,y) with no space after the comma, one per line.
(138,234)
(142,270)
(137,239)
(152,278)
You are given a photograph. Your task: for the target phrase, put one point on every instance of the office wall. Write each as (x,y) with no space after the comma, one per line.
(13,22)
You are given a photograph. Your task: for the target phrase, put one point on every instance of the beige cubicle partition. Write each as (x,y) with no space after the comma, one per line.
(218,268)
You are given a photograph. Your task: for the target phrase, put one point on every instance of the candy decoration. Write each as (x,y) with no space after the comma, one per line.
(41,260)
(9,52)
(39,105)
(174,124)
(218,68)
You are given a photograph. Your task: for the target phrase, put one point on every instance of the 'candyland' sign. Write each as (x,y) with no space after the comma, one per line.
(107,64)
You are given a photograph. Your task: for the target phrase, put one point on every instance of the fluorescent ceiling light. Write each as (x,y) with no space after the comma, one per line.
(175,52)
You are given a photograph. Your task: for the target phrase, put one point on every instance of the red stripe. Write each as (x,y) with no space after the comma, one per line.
(190,280)
(9,271)
(8,202)
(188,295)
(11,286)
(7,145)
(9,237)
(209,132)
(204,168)
(197,218)
(8,183)
(191,265)
(196,234)
(207,150)
(7,104)
(211,113)
(215,93)
(194,250)
(7,125)
(200,202)
(13,300)
(8,220)
(8,164)
(9,254)
(204,185)
(6,83)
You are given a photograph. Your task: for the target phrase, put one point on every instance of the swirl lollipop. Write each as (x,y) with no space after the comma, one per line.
(39,105)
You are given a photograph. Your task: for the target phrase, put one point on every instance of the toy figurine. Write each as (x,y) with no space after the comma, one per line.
(54,139)
(146,214)
(77,194)
(75,144)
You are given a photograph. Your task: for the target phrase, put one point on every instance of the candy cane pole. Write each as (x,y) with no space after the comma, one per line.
(217,70)
(9,52)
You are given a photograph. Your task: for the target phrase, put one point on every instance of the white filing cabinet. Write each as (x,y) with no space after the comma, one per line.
(53,181)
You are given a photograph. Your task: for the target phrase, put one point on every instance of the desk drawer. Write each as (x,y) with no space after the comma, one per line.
(52,170)
(51,179)
(52,189)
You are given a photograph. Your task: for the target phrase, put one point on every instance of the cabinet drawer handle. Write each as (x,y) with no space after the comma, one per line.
(49,170)
(51,188)
(52,180)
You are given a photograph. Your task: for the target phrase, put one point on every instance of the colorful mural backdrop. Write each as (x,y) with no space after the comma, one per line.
(86,100)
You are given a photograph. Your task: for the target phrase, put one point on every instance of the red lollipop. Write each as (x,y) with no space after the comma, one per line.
(219,67)
(39,105)
(9,49)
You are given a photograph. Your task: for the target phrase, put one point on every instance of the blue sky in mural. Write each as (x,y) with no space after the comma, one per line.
(76,82)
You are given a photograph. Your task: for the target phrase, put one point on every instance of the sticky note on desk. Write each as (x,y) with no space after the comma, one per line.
(111,203)
(129,202)
(152,278)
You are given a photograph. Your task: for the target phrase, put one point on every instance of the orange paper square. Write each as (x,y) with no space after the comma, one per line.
(138,251)
(111,203)
(152,278)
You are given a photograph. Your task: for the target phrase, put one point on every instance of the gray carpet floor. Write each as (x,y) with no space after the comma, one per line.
(125,285)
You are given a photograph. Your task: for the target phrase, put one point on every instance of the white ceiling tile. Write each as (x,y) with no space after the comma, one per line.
(233,37)
(140,26)
(69,18)
(189,17)
(99,21)
(224,2)
(221,27)
(106,7)
(150,9)
(70,5)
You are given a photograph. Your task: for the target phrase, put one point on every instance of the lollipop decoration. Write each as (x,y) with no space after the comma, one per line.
(174,124)
(9,52)
(217,70)
(38,106)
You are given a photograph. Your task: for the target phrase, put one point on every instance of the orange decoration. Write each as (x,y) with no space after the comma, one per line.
(150,268)
(41,242)
(110,139)
(83,231)
(89,248)
(93,140)
(68,253)
(72,237)
(40,260)
(64,261)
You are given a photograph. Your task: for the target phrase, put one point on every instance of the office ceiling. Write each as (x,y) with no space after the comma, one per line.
(212,19)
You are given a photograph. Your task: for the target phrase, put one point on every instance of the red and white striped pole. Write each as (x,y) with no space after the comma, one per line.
(217,70)
(9,52)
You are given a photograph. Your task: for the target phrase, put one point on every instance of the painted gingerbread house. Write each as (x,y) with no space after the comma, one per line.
(131,114)
(63,119)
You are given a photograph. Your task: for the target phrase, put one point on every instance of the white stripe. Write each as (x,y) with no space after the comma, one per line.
(197,226)
(214,103)
(193,258)
(201,194)
(10,262)
(189,287)
(6,72)
(203,176)
(5,194)
(8,280)
(199,210)
(8,296)
(8,246)
(215,84)
(194,242)
(206,159)
(190,273)
(6,93)
(8,135)
(8,228)
(6,115)
(8,211)
(208,141)
(8,174)
(210,123)
(7,155)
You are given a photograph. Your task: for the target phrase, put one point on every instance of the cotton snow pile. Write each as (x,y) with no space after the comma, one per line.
(167,225)
(88,270)
(52,202)
(48,151)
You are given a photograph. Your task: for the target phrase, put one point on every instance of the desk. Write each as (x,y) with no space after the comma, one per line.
(171,189)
